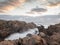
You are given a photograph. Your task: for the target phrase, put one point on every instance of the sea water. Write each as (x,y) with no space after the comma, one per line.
(22,35)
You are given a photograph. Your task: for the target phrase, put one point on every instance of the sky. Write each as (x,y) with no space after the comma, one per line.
(29,7)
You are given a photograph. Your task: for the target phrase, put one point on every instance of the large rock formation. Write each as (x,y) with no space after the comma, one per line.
(8,43)
(49,36)
(33,40)
(53,28)
(9,27)
(54,39)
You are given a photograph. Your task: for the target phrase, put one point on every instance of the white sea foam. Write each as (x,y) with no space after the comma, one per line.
(22,35)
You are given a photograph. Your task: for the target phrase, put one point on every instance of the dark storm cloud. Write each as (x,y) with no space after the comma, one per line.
(39,9)
(31,0)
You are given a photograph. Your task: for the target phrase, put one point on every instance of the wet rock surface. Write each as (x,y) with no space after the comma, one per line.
(46,36)
(33,40)
(51,34)
(8,43)
(9,27)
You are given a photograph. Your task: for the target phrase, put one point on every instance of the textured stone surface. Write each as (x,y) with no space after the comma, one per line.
(9,27)
(46,36)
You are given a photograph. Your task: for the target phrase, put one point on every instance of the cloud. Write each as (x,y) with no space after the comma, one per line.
(37,10)
(50,3)
(54,3)
(28,0)
(8,5)
(31,0)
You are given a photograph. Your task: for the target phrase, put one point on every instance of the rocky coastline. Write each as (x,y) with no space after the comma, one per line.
(46,36)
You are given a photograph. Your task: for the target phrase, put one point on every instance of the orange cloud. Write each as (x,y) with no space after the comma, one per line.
(54,4)
(10,5)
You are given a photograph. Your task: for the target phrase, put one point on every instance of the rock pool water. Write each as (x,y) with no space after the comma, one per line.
(22,35)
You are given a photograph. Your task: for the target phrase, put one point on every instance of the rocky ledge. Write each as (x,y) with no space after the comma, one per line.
(9,27)
(49,36)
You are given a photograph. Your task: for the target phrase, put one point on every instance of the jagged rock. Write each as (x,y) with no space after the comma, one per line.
(8,43)
(18,26)
(33,40)
(42,29)
(54,39)
(53,28)
(29,35)
(49,36)
(9,27)
(42,34)
(31,25)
